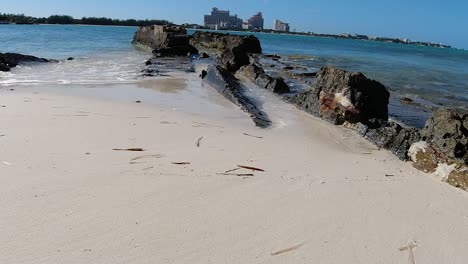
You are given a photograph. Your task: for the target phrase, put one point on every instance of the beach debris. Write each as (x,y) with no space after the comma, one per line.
(2,135)
(157,156)
(249,135)
(231,173)
(167,123)
(138,101)
(287,250)
(389,175)
(7,163)
(409,247)
(181,163)
(250,168)
(207,125)
(237,174)
(199,141)
(129,149)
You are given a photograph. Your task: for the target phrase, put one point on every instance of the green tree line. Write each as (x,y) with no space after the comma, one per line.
(63,19)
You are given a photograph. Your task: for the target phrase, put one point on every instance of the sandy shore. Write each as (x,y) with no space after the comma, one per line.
(326,195)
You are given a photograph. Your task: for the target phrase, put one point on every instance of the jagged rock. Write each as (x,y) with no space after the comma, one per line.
(427,158)
(178,51)
(459,177)
(11,60)
(423,157)
(164,41)
(203,74)
(227,85)
(447,130)
(339,96)
(257,75)
(392,136)
(234,58)
(234,49)
(204,55)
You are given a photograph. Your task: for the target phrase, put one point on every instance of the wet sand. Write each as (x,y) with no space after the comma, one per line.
(325,196)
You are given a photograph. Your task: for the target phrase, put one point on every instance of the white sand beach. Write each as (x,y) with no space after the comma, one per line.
(326,196)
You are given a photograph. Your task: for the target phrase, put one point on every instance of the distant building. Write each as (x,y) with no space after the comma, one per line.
(221,19)
(256,22)
(281,26)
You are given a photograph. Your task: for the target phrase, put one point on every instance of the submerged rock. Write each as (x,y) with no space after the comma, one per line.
(11,60)
(339,96)
(257,75)
(227,85)
(447,130)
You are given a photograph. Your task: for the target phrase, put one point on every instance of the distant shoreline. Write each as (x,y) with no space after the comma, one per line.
(350,37)
(330,36)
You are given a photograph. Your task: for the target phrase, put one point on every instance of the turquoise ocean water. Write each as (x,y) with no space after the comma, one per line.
(437,76)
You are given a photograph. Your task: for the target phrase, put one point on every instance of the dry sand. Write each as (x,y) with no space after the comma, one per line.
(326,195)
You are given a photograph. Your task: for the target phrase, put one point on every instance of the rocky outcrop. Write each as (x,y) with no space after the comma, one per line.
(11,60)
(388,135)
(257,75)
(234,50)
(447,131)
(226,84)
(339,96)
(429,159)
(222,42)
(164,41)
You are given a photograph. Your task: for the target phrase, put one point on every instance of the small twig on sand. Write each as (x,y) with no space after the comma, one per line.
(245,134)
(129,149)
(181,163)
(232,170)
(204,124)
(411,245)
(286,250)
(250,168)
(199,141)
(389,175)
(237,174)
(157,156)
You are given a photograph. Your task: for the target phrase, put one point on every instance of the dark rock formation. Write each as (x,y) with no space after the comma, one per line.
(164,41)
(11,60)
(257,75)
(394,137)
(226,84)
(388,135)
(339,96)
(447,130)
(234,49)
(204,55)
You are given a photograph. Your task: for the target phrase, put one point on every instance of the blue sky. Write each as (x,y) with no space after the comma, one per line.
(429,20)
